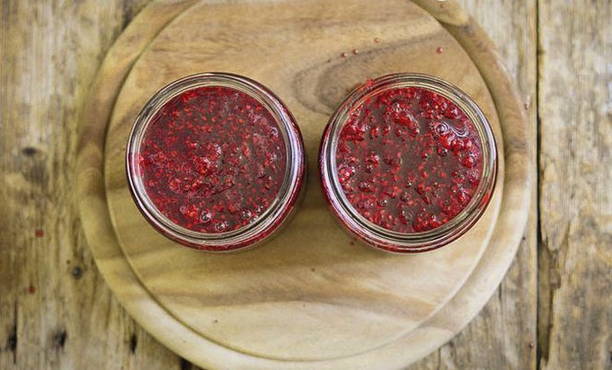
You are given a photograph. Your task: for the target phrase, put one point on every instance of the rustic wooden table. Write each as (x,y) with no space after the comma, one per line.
(551,311)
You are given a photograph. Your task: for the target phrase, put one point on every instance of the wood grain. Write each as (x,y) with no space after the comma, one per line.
(49,54)
(357,300)
(575,112)
(56,311)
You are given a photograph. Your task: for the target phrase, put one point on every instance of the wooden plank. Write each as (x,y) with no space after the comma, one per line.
(503,335)
(575,199)
(55,309)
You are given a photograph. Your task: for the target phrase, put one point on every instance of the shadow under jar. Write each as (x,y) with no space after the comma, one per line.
(408,163)
(215,161)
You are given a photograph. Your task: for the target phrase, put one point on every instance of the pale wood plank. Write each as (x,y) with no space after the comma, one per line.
(68,319)
(503,335)
(575,198)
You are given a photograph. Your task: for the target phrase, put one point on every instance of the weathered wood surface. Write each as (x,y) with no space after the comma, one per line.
(56,311)
(575,252)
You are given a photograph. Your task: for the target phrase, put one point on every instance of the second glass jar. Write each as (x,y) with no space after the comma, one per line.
(408,163)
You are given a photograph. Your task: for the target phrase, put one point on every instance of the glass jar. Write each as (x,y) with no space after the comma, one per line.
(408,163)
(215,161)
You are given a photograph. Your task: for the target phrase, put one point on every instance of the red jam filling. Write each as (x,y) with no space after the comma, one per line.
(212,159)
(408,159)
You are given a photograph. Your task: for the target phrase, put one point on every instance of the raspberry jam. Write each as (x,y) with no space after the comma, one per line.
(212,159)
(215,162)
(408,163)
(408,159)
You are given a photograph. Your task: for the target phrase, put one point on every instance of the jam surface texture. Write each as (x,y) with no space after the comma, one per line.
(408,159)
(212,159)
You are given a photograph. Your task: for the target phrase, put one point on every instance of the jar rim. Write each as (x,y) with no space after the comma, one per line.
(287,195)
(381,237)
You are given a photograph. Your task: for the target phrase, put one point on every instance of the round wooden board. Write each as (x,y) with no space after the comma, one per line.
(307,299)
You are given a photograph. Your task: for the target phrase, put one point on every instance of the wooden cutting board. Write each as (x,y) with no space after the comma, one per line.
(311,297)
